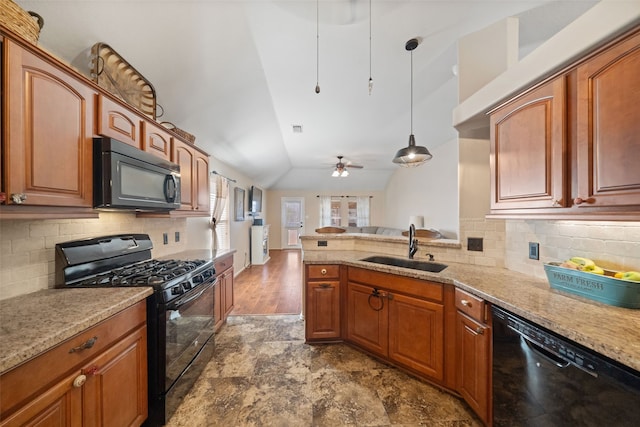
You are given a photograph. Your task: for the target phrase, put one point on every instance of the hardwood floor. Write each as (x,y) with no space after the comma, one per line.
(272,288)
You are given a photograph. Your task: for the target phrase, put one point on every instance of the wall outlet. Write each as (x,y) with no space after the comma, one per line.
(474,244)
(322,243)
(534,250)
(165,238)
(177,236)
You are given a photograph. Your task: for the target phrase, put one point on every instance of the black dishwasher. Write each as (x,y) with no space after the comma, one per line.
(542,379)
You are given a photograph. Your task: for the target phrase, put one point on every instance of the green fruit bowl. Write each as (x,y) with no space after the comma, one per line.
(602,288)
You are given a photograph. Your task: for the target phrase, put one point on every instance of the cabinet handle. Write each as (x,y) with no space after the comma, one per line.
(580,200)
(18,198)
(465,303)
(88,344)
(323,271)
(325,285)
(480,330)
(79,381)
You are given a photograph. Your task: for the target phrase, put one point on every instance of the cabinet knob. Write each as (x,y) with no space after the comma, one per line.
(580,200)
(480,330)
(79,381)
(325,285)
(18,198)
(91,371)
(556,203)
(323,271)
(465,303)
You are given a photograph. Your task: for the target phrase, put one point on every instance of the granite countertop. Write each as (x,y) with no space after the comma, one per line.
(33,323)
(611,331)
(208,254)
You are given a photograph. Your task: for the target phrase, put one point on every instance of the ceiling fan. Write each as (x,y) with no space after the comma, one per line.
(341,168)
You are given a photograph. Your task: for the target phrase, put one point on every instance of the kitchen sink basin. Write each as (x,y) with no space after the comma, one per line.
(432,267)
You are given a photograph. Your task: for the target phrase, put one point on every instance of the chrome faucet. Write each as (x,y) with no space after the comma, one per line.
(413,242)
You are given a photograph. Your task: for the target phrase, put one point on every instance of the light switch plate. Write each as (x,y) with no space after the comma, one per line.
(534,250)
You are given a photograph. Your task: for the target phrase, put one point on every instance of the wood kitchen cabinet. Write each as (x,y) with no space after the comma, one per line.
(97,378)
(566,147)
(47,132)
(322,310)
(528,150)
(223,297)
(473,353)
(156,140)
(118,122)
(608,127)
(398,318)
(194,178)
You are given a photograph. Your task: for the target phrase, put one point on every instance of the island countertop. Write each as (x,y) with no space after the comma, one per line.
(34,323)
(608,330)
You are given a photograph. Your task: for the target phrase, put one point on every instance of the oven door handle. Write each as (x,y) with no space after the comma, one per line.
(179,303)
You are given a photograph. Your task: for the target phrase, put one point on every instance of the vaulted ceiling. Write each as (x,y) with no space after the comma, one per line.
(240,74)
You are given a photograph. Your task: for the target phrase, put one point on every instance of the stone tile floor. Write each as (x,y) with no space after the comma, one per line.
(263,374)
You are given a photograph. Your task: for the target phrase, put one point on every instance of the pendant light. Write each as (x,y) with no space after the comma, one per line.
(413,155)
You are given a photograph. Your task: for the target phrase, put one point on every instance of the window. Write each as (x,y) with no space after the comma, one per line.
(220,212)
(338,210)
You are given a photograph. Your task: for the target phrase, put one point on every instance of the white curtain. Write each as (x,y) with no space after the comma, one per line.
(325,211)
(363,211)
(219,214)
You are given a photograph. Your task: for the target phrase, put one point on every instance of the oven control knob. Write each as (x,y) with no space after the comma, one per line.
(198,279)
(186,286)
(176,290)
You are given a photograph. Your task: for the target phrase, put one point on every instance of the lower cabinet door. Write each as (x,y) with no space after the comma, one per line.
(474,364)
(416,334)
(59,406)
(323,310)
(367,318)
(115,393)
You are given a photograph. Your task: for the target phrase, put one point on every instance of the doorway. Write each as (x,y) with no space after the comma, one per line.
(292,214)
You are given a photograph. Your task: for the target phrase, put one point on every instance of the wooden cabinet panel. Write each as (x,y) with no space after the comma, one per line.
(416,334)
(223,292)
(368,318)
(47,151)
(185,157)
(323,271)
(470,305)
(528,150)
(115,121)
(322,317)
(474,365)
(115,393)
(156,140)
(98,377)
(608,125)
(201,195)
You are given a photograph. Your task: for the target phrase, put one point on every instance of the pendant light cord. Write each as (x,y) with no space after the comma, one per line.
(317,46)
(370,78)
(412,92)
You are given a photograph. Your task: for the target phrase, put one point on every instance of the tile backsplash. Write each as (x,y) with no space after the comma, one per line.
(27,247)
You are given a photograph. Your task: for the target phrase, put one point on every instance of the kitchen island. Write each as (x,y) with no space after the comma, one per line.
(608,330)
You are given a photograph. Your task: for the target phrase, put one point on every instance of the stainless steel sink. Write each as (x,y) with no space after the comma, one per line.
(432,267)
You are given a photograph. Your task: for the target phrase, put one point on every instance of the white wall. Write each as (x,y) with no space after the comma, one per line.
(312,210)
(474,178)
(430,190)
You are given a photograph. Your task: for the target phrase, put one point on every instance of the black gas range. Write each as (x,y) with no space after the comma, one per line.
(180,319)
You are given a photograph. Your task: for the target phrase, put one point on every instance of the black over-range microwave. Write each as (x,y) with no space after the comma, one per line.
(127,178)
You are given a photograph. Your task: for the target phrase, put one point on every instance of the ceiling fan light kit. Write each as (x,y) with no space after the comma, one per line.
(412,155)
(341,168)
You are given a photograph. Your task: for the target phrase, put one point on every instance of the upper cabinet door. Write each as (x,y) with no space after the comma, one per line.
(47,151)
(608,127)
(117,122)
(528,145)
(183,155)
(156,140)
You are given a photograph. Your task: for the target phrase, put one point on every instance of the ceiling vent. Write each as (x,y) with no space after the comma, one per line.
(297,128)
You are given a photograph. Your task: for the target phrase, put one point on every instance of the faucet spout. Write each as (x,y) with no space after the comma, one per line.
(413,242)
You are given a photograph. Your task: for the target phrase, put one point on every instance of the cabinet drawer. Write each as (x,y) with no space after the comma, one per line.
(39,373)
(322,271)
(223,264)
(471,305)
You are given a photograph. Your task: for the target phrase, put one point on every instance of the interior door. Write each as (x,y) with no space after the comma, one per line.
(292,209)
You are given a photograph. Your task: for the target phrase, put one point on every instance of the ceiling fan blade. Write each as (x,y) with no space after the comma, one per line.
(352,166)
